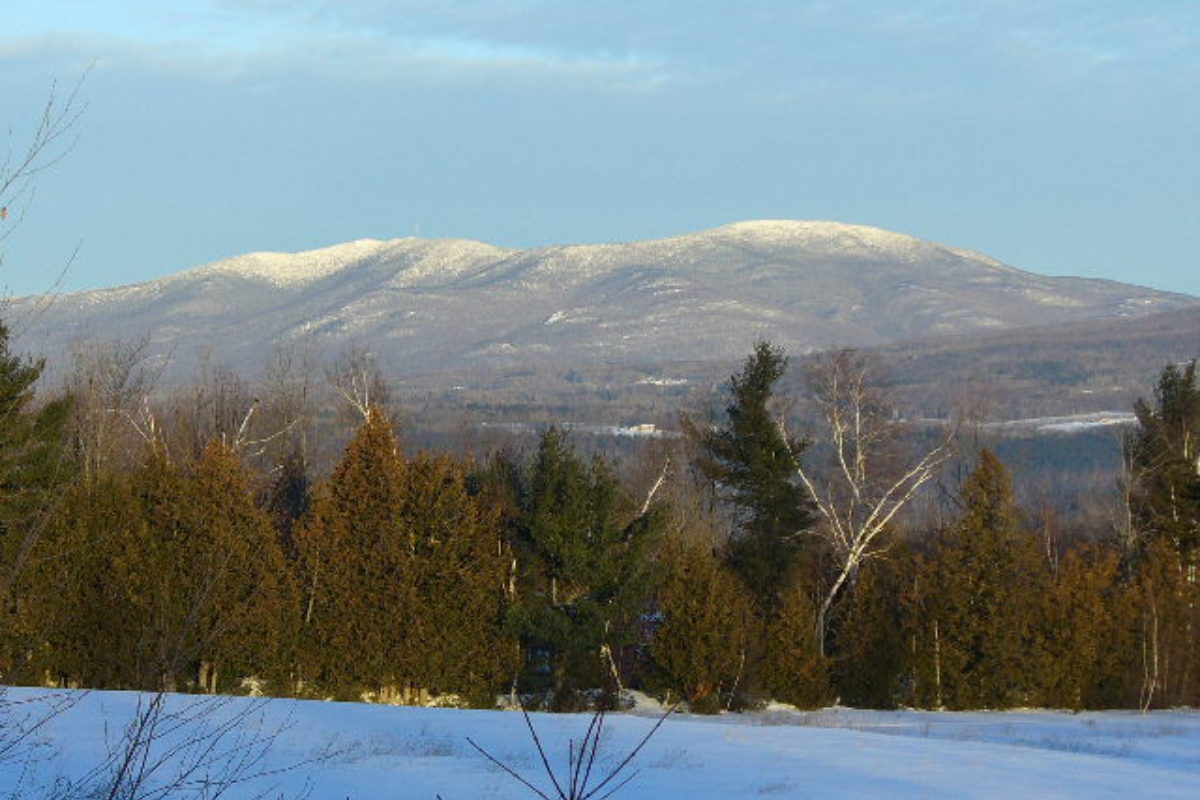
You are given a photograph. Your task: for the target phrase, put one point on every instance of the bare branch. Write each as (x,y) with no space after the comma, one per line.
(865,489)
(580,761)
(662,476)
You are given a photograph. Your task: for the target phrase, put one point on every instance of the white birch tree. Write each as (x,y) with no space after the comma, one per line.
(868,479)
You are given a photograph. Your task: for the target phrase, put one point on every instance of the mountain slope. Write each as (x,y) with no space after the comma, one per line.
(423,305)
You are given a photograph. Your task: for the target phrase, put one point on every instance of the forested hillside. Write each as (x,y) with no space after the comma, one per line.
(799,552)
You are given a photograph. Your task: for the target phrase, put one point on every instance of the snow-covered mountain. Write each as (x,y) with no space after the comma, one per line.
(423,305)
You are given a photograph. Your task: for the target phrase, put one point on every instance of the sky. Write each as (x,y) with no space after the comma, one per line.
(1060,136)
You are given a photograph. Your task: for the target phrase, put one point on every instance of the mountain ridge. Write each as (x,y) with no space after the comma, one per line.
(421,303)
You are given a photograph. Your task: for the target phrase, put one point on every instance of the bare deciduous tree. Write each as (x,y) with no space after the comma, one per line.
(357,379)
(289,403)
(48,144)
(196,748)
(51,139)
(107,385)
(869,478)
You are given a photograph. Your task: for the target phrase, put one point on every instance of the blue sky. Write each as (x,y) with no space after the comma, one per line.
(1061,137)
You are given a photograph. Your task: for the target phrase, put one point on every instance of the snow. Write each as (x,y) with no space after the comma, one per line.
(650,381)
(344,750)
(1076,423)
(416,260)
(784,231)
(840,238)
(292,269)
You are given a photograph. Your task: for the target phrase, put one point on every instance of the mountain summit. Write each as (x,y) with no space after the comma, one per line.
(423,305)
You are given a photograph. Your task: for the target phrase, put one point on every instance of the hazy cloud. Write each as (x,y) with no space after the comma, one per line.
(772,50)
(530,121)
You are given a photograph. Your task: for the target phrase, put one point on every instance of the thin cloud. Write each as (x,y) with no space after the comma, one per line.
(974,54)
(759,37)
(407,60)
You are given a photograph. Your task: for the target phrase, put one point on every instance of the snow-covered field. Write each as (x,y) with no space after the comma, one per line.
(336,750)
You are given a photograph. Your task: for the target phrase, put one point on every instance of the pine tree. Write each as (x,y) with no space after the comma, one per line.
(754,465)
(585,577)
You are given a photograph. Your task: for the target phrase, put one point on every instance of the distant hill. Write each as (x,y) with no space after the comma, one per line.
(1094,368)
(433,305)
(1078,367)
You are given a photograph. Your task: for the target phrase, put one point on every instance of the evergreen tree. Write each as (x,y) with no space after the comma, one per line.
(793,668)
(241,587)
(404,568)
(461,561)
(94,634)
(585,577)
(702,640)
(754,464)
(1164,456)
(358,582)
(177,579)
(980,591)
(1078,629)
(206,576)
(33,466)
(288,499)
(873,656)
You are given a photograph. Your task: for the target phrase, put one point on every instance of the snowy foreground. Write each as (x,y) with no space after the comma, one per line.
(344,750)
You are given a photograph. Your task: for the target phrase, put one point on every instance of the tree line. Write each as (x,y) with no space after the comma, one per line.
(849,558)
